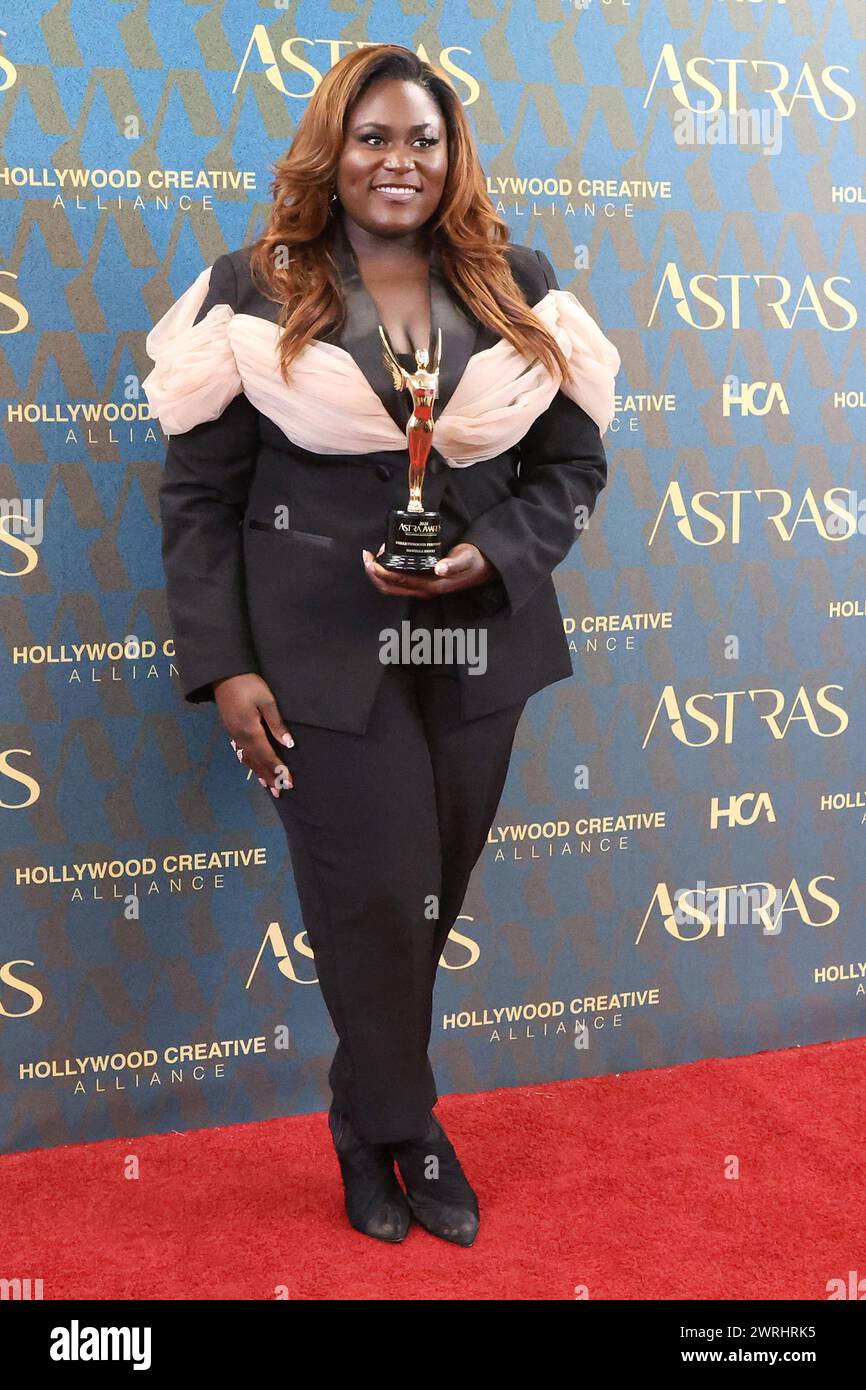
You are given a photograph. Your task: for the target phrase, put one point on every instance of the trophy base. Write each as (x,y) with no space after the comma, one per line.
(413,542)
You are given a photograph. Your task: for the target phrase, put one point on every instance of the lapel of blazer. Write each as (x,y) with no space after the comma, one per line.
(359,333)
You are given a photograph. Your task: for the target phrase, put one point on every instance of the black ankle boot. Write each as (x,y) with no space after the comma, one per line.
(445,1204)
(375,1204)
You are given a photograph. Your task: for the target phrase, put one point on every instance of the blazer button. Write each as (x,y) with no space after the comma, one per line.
(383,472)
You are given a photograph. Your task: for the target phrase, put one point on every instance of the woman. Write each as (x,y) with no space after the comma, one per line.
(287,450)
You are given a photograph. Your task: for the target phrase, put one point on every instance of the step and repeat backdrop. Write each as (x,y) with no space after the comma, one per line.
(676,869)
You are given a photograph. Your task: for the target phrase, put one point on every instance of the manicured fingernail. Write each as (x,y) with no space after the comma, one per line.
(288,740)
(274,791)
(440,569)
(262,782)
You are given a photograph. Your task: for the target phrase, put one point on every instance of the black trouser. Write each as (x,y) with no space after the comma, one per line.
(384,829)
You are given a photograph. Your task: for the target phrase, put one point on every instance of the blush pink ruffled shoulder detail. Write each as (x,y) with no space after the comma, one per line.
(195,375)
(329,407)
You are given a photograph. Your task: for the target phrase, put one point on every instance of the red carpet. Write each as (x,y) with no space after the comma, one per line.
(615,1183)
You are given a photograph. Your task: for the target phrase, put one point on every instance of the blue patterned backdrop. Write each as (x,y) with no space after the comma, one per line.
(694,170)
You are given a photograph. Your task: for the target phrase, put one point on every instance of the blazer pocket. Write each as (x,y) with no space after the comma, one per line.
(289,534)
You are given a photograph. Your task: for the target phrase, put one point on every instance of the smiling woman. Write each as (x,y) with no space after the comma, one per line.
(390,179)
(288,448)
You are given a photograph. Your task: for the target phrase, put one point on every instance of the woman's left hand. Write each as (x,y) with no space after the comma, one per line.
(462,568)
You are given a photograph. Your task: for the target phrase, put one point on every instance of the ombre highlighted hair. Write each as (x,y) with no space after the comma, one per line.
(291,261)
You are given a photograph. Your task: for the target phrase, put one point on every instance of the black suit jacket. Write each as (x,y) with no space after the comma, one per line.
(295,605)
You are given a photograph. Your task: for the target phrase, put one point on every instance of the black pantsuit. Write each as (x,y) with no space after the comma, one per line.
(384,829)
(398,770)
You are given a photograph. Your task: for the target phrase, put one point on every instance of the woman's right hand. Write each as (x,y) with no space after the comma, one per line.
(246,706)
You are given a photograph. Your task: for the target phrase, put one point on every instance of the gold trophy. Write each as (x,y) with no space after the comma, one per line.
(413,541)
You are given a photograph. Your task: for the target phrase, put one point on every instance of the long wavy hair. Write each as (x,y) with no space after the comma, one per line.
(292,263)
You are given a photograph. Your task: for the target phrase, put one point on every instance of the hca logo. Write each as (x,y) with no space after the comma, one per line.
(734,814)
(744,394)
